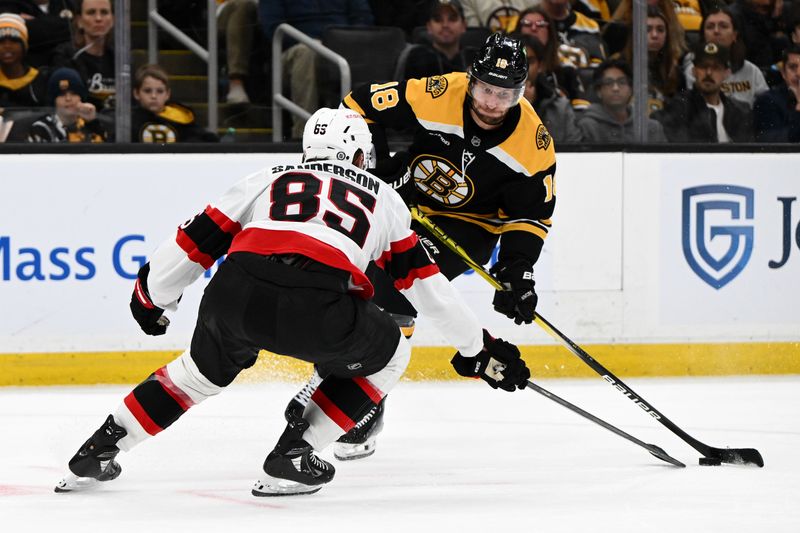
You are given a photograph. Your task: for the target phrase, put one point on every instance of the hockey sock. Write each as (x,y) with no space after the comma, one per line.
(339,403)
(162,398)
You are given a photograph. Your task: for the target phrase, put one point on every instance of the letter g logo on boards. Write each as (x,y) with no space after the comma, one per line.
(717,239)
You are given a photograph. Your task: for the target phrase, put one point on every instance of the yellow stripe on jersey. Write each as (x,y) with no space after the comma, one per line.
(492,224)
(523,153)
(585,24)
(434,112)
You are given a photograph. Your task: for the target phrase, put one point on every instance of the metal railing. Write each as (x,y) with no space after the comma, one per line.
(156,21)
(281,102)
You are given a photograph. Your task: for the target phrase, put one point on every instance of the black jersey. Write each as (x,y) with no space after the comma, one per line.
(502,180)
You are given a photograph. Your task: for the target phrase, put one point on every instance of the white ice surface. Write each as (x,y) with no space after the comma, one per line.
(453,456)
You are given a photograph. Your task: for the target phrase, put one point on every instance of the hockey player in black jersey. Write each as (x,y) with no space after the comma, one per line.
(298,239)
(482,167)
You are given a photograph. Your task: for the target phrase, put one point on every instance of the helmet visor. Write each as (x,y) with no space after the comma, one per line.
(492,96)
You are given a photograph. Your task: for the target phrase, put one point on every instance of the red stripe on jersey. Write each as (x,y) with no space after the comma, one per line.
(373,392)
(415,274)
(141,415)
(189,246)
(221,219)
(180,397)
(332,411)
(397,247)
(138,290)
(269,241)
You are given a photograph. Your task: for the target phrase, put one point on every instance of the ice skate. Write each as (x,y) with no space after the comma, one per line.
(94,462)
(360,442)
(292,468)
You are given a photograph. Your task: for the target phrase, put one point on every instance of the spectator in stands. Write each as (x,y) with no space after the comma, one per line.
(48,24)
(777,111)
(611,120)
(157,120)
(665,48)
(444,52)
(558,61)
(73,120)
(236,22)
(497,15)
(91,51)
(576,29)
(20,85)
(761,31)
(553,109)
(703,113)
(682,19)
(300,62)
(746,81)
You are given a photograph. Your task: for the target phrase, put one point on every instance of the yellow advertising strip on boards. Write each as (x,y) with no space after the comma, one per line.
(427,363)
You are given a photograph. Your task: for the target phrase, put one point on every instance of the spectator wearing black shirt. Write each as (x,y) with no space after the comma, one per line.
(91,51)
(444,53)
(158,120)
(20,85)
(559,61)
(73,120)
(703,113)
(777,111)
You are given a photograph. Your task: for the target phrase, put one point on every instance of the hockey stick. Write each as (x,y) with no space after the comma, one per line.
(711,455)
(652,448)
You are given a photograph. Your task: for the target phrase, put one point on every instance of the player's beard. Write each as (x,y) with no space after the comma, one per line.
(487,119)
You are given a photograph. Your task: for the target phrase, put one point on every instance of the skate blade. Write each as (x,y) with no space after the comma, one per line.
(73,483)
(274,486)
(345,451)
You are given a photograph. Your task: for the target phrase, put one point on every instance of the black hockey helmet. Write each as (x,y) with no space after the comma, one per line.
(501,62)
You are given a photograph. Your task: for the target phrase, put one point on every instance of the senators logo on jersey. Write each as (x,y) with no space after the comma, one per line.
(440,180)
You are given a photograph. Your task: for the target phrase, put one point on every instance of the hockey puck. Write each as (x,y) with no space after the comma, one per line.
(710,461)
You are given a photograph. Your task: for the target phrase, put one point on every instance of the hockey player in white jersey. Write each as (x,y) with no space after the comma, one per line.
(298,239)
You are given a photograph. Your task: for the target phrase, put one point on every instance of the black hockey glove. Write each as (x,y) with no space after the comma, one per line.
(498,364)
(149,316)
(396,173)
(519,300)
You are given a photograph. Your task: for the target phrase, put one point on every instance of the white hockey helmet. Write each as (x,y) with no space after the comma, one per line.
(338,135)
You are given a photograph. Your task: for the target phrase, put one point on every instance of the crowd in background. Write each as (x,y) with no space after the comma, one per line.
(717,71)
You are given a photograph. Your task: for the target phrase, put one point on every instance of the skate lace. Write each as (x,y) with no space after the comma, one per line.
(367,418)
(308,389)
(317,462)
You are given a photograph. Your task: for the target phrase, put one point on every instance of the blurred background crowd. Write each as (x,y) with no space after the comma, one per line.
(717,71)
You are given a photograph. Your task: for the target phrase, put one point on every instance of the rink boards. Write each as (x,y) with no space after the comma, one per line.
(658,264)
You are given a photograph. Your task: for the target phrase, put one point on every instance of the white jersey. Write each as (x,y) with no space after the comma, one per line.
(332,212)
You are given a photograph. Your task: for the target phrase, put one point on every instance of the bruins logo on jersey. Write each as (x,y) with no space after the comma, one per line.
(158,133)
(440,180)
(437,85)
(542,137)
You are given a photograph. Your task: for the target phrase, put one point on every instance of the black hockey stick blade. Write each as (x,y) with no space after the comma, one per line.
(736,456)
(654,450)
